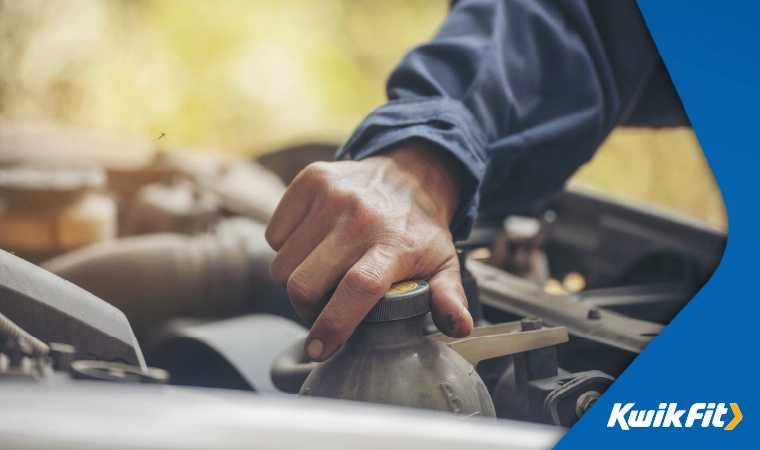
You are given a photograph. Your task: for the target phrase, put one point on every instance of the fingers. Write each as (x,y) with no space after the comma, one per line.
(312,281)
(296,249)
(294,205)
(364,284)
(361,226)
(449,302)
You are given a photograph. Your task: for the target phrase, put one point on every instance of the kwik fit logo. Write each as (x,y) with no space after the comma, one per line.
(668,415)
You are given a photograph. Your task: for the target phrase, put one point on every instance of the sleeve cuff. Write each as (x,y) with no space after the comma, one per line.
(442,121)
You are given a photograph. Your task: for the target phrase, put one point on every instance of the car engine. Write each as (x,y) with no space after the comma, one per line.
(137,265)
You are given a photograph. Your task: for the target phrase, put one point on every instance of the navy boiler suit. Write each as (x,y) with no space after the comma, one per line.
(522,93)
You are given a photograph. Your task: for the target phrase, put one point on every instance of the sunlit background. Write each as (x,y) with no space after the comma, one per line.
(249,77)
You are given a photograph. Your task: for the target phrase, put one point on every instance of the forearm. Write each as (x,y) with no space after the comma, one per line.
(524,87)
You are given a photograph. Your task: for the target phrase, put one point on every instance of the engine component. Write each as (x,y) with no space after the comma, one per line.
(605,238)
(54,310)
(14,334)
(524,298)
(232,354)
(136,417)
(292,367)
(177,207)
(47,210)
(388,360)
(62,355)
(245,188)
(154,278)
(504,339)
(19,358)
(18,361)
(532,387)
(520,249)
(470,286)
(563,399)
(658,302)
(117,372)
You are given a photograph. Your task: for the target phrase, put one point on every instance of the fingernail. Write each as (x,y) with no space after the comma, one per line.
(315,349)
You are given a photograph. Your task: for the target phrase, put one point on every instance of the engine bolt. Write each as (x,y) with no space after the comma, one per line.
(62,355)
(531,323)
(586,401)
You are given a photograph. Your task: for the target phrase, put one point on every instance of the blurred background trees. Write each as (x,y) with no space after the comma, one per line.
(249,77)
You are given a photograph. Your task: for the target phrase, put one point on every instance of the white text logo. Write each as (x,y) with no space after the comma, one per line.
(668,415)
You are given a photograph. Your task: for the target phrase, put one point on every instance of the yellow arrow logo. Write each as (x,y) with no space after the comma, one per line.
(737,417)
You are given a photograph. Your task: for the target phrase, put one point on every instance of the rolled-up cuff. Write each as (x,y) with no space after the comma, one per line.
(442,121)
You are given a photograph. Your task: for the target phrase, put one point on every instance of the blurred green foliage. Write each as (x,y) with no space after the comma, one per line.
(239,75)
(249,76)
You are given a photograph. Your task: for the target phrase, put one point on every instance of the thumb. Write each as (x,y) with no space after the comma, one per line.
(449,302)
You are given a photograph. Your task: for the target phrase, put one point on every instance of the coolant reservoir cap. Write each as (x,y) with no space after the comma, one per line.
(403,300)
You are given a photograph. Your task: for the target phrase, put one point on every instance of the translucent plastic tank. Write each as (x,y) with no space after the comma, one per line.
(389,360)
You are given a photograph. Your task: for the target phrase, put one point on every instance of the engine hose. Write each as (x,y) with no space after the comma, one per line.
(9,330)
(153,278)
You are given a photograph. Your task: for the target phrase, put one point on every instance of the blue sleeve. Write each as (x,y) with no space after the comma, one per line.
(520,92)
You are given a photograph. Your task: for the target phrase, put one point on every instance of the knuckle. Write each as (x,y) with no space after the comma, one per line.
(271,237)
(365,282)
(278,272)
(314,173)
(301,290)
(314,169)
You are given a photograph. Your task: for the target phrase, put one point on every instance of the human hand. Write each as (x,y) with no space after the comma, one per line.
(361,226)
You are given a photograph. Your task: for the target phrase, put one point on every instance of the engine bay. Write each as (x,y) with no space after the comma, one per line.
(167,279)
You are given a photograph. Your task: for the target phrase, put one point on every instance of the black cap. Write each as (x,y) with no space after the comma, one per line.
(403,300)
